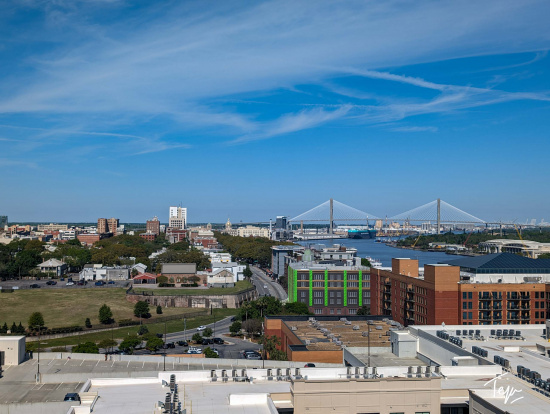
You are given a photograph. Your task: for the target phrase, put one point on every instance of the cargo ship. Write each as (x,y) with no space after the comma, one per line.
(361,234)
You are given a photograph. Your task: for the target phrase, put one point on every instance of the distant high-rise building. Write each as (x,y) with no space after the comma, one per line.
(107,226)
(153,226)
(178,217)
(3,222)
(280,223)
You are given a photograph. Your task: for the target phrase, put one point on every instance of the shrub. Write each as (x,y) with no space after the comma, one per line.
(86,348)
(143,330)
(88,323)
(197,337)
(159,310)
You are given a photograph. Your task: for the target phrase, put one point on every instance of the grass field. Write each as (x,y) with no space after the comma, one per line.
(70,307)
(239,287)
(171,326)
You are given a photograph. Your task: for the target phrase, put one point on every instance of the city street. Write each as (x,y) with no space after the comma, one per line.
(259,279)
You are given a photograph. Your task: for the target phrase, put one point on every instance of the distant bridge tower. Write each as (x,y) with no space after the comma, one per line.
(438,216)
(331,228)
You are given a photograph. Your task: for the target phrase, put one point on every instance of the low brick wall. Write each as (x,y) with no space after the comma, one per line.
(196,301)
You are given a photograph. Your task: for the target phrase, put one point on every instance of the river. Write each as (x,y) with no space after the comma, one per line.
(384,253)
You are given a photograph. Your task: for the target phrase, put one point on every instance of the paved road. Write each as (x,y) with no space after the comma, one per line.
(260,280)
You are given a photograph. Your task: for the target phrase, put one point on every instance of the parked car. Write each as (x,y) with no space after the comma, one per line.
(99,283)
(309,365)
(233,319)
(159,335)
(193,350)
(169,345)
(111,282)
(51,282)
(34,286)
(253,356)
(207,341)
(79,283)
(201,328)
(218,341)
(70,284)
(72,396)
(265,286)
(215,351)
(183,343)
(62,279)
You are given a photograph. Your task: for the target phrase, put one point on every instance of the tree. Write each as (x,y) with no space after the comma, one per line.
(270,343)
(105,315)
(544,256)
(154,343)
(363,311)
(247,272)
(143,330)
(159,310)
(207,333)
(106,343)
(296,308)
(141,309)
(278,355)
(365,262)
(5,328)
(88,323)
(13,328)
(235,327)
(20,328)
(86,348)
(36,320)
(129,344)
(197,338)
(135,272)
(208,353)
(162,280)
(253,326)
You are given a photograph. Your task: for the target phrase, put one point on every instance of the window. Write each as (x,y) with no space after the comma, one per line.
(469,305)
(352,301)
(317,294)
(332,311)
(470,315)
(339,311)
(318,311)
(470,295)
(352,311)
(464,315)
(317,301)
(464,295)
(464,305)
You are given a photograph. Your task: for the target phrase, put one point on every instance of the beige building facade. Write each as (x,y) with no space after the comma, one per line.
(377,395)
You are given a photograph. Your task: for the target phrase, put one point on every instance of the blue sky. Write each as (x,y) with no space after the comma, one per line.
(249,110)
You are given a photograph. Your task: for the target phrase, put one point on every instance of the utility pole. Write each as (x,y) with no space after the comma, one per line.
(38,365)
(438,215)
(164,364)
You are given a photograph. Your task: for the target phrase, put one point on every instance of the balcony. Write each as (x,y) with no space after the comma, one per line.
(485,317)
(409,298)
(387,282)
(513,317)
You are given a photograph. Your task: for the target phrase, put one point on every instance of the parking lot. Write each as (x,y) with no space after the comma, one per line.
(59,284)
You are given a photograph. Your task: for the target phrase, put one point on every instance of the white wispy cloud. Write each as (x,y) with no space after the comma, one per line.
(415,129)
(173,60)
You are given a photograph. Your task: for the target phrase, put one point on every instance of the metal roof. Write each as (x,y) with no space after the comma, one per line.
(501,261)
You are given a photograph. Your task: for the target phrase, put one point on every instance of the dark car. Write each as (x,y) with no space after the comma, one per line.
(207,341)
(111,282)
(309,365)
(183,343)
(81,283)
(171,345)
(51,282)
(233,319)
(34,286)
(72,396)
(159,335)
(218,341)
(99,283)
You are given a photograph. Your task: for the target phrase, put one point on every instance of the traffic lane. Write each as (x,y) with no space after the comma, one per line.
(218,328)
(274,288)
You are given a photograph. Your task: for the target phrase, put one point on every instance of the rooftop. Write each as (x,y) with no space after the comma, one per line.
(501,262)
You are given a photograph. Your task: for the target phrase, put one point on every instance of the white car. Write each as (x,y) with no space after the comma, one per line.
(265,286)
(201,328)
(69,284)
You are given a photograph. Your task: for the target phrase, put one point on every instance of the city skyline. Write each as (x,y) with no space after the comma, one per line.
(248,111)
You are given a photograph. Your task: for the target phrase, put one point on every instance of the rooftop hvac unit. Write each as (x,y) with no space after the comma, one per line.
(343,319)
(365,333)
(355,327)
(293,328)
(308,342)
(347,322)
(379,328)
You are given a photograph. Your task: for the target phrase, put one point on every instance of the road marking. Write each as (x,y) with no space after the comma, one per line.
(77,385)
(128,364)
(80,363)
(97,363)
(112,364)
(59,386)
(51,362)
(143,366)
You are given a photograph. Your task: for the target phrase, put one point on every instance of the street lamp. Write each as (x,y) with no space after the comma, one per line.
(164,347)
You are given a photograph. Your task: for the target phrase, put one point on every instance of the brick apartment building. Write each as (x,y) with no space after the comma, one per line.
(153,226)
(329,289)
(487,290)
(107,226)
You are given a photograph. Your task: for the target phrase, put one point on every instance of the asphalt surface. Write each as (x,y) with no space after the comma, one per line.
(266,285)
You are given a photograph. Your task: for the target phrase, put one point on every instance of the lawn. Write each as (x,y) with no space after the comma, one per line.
(239,287)
(70,307)
(171,326)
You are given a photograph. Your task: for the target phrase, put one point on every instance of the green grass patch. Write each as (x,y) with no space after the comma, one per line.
(239,287)
(70,307)
(171,326)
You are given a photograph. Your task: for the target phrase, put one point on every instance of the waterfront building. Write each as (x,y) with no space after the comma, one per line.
(493,289)
(279,255)
(525,247)
(177,217)
(248,231)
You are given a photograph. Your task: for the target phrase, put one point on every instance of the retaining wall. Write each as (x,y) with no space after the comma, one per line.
(233,301)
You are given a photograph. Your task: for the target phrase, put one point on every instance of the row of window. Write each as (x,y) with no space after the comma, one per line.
(331,276)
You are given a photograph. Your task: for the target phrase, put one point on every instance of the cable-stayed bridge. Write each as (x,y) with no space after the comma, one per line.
(437,212)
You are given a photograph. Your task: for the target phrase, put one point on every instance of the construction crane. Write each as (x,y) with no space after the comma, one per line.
(416,241)
(467,238)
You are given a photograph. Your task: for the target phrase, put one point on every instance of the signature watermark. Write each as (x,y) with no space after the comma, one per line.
(499,391)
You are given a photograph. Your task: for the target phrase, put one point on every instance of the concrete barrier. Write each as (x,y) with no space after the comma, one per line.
(36,408)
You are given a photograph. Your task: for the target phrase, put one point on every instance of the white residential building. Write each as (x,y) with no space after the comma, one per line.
(249,231)
(235,268)
(219,257)
(177,217)
(98,272)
